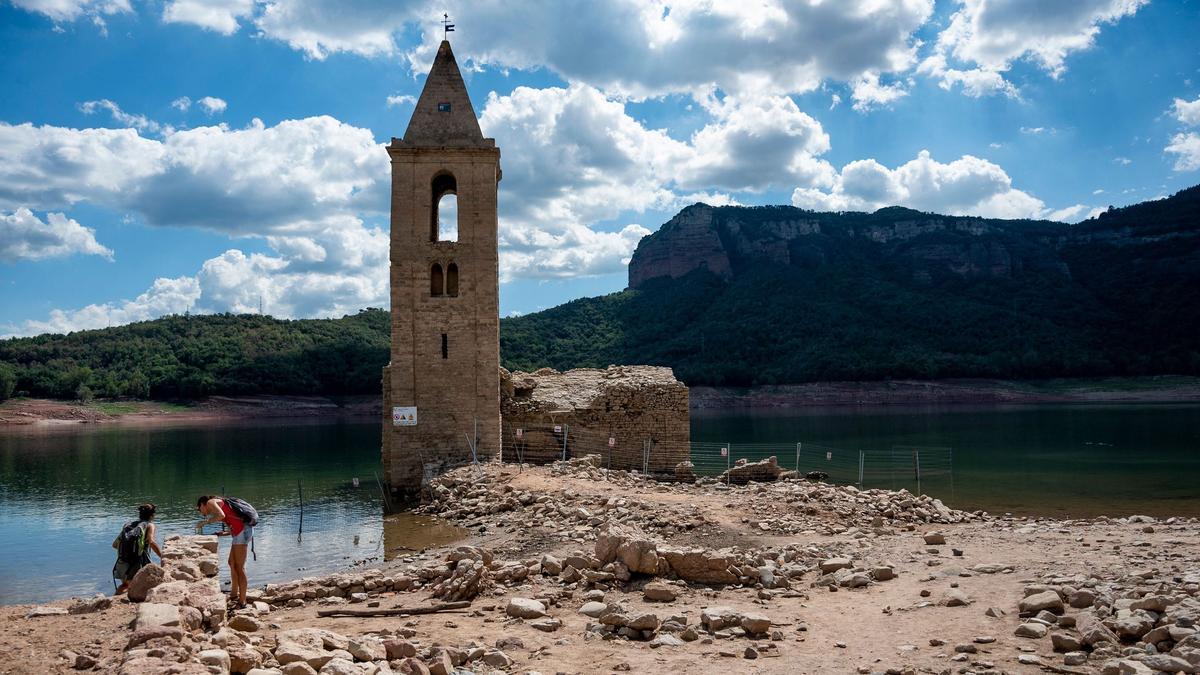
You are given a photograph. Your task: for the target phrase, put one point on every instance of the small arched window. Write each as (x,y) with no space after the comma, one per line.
(436,286)
(443,221)
(452,279)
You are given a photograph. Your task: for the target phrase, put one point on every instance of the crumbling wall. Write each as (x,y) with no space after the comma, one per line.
(547,415)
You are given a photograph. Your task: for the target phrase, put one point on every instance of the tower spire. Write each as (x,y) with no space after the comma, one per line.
(443,115)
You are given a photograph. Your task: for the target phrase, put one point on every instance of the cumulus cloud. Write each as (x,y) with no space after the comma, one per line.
(165,296)
(1187,148)
(139,122)
(23,236)
(991,35)
(182,103)
(69,10)
(868,93)
(212,105)
(966,186)
(401,99)
(1187,112)
(323,27)
(222,16)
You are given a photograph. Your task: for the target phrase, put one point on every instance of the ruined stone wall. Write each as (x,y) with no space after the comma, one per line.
(629,404)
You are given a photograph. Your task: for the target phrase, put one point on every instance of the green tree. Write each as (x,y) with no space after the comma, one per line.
(8,381)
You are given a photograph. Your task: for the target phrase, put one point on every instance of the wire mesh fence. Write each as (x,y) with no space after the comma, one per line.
(544,443)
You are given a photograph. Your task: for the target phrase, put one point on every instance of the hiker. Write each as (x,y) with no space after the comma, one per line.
(133,546)
(239,519)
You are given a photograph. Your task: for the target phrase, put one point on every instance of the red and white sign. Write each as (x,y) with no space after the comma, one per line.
(404,416)
(724,452)
(611,441)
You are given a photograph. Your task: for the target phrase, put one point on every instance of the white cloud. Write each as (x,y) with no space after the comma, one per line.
(182,103)
(222,16)
(634,47)
(323,27)
(1187,112)
(69,10)
(966,186)
(992,34)
(1069,214)
(834,101)
(165,296)
(212,105)
(868,93)
(139,122)
(401,99)
(1123,161)
(1187,147)
(23,236)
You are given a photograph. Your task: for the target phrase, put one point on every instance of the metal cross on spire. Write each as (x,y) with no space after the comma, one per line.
(447,26)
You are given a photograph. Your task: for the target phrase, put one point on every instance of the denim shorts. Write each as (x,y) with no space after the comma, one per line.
(245,537)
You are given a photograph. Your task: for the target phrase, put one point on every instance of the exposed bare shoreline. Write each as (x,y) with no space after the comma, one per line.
(1164,389)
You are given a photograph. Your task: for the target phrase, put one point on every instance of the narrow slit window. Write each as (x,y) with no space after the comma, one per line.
(436,286)
(452,280)
(445,347)
(444,106)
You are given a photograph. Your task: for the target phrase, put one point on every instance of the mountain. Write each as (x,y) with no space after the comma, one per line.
(769,295)
(740,296)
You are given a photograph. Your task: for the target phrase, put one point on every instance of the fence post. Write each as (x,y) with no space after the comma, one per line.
(300,488)
(728,461)
(861,459)
(797,460)
(566,430)
(917,456)
(952,496)
(645,456)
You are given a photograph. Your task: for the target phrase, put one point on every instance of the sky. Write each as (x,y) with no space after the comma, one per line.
(171,156)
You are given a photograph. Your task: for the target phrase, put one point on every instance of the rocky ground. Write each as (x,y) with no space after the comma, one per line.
(573,569)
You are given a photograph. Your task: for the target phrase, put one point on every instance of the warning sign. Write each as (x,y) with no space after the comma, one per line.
(520,433)
(611,441)
(558,428)
(724,452)
(828,456)
(404,416)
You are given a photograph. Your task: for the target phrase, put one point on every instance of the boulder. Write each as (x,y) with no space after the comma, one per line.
(700,565)
(367,649)
(146,578)
(755,624)
(1031,630)
(629,545)
(525,608)
(594,609)
(245,623)
(154,615)
(399,649)
(832,565)
(954,598)
(657,591)
(89,605)
(716,618)
(217,658)
(1092,632)
(1046,600)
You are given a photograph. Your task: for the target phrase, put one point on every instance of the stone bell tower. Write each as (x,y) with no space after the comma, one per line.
(441,389)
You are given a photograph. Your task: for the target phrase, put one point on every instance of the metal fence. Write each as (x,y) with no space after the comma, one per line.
(544,443)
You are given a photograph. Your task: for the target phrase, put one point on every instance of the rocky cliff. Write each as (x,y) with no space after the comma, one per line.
(729,240)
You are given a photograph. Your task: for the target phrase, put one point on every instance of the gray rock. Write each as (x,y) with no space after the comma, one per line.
(525,608)
(1031,630)
(146,578)
(1046,600)
(594,609)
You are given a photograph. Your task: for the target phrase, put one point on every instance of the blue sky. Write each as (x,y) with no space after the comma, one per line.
(203,155)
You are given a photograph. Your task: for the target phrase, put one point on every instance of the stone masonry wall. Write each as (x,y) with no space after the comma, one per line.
(630,404)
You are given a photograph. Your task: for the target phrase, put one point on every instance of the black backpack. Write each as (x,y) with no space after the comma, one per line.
(242,510)
(131,544)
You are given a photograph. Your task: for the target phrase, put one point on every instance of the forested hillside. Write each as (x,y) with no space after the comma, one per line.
(741,296)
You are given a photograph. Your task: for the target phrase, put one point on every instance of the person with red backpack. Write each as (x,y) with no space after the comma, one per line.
(133,546)
(239,519)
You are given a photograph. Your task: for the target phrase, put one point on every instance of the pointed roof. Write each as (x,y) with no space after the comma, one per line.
(443,115)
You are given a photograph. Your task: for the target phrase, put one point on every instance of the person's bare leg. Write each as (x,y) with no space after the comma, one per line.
(237,566)
(235,577)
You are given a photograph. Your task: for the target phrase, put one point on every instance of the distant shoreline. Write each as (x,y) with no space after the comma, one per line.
(1157,389)
(25,412)
(1160,389)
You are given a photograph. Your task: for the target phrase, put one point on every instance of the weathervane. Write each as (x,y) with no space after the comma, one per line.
(447,26)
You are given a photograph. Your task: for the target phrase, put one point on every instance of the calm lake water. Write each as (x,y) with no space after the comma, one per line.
(66,491)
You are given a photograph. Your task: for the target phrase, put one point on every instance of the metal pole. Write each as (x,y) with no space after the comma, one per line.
(917,455)
(566,430)
(861,457)
(952,495)
(728,460)
(797,460)
(300,488)
(387,502)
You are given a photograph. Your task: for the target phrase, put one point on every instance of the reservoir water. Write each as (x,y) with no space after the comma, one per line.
(65,491)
